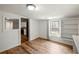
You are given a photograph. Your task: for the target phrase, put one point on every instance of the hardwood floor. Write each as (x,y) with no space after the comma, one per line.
(23,38)
(40,46)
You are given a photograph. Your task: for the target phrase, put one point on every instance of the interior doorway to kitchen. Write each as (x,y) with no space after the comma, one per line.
(24,30)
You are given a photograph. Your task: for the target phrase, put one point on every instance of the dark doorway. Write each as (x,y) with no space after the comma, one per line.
(24,30)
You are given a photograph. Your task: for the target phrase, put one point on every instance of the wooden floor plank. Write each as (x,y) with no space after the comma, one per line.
(40,46)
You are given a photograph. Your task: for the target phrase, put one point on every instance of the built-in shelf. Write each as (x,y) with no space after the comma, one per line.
(70,24)
(69,28)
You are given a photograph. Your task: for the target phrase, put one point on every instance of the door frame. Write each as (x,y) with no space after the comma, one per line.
(27,24)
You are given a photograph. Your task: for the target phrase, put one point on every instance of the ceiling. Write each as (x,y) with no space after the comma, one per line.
(44,10)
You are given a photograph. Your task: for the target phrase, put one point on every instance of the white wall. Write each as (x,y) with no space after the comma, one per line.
(78,26)
(12,38)
(0,24)
(38,28)
(33,29)
(9,39)
(43,28)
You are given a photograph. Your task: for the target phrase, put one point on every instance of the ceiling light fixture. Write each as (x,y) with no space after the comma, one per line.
(51,17)
(55,17)
(30,6)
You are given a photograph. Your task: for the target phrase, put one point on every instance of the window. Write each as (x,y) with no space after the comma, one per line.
(9,25)
(54,28)
(55,24)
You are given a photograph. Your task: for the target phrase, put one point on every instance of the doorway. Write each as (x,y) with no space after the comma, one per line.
(24,30)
